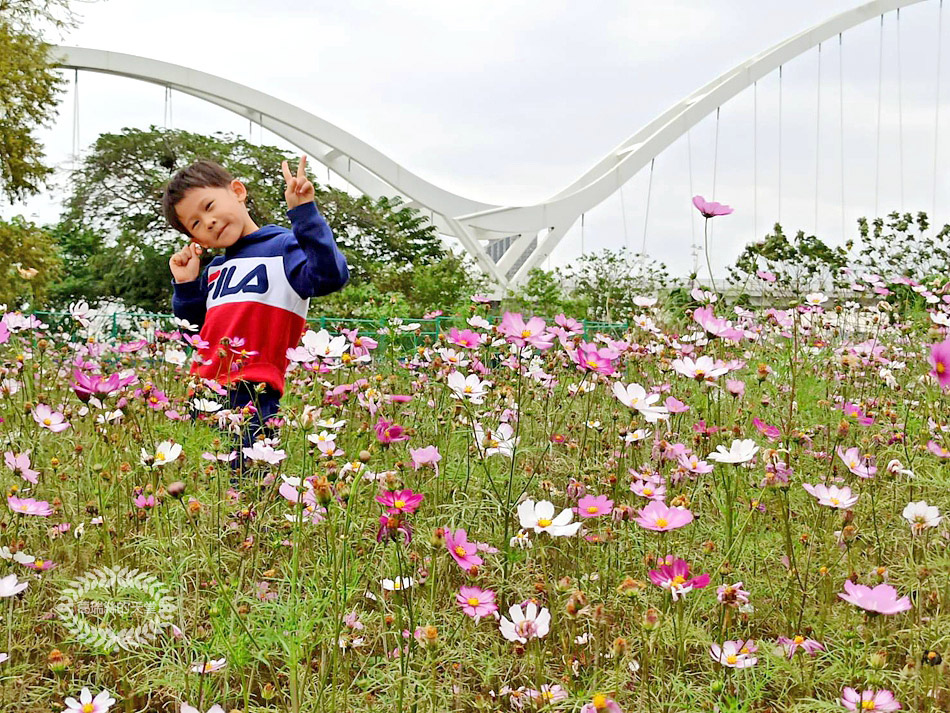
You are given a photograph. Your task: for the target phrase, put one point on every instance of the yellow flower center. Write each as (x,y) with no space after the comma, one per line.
(799,639)
(159,456)
(600,701)
(679,580)
(544,522)
(868,705)
(591,363)
(208,667)
(460,551)
(47,422)
(854,414)
(24,507)
(38,563)
(397,584)
(592,509)
(940,368)
(732,659)
(525,333)
(88,708)
(648,491)
(468,389)
(744,650)
(473,601)
(399,503)
(662,522)
(834,501)
(700,372)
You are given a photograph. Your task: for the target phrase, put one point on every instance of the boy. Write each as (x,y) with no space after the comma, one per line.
(251,303)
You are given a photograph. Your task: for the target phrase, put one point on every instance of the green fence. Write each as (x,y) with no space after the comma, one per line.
(120,325)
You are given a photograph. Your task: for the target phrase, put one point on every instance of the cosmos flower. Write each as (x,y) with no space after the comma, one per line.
(87,704)
(832,496)
(921,516)
(673,575)
(659,517)
(531,623)
(739,452)
(733,654)
(51,420)
(881,599)
(861,466)
(869,700)
(710,209)
(540,517)
(462,551)
(476,602)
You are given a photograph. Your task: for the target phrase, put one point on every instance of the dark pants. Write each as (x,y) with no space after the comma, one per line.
(266,401)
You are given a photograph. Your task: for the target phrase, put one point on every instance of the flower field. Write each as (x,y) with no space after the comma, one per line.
(725,508)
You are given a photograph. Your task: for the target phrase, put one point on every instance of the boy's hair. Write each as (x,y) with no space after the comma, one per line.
(200,174)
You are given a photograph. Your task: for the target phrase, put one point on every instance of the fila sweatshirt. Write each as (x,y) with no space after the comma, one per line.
(259,291)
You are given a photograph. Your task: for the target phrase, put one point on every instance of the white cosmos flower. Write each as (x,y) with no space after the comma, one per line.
(921,516)
(502,440)
(704,368)
(636,436)
(397,584)
(467,387)
(815,298)
(175,356)
(166,452)
(540,517)
(330,423)
(740,452)
(532,623)
(318,345)
(264,452)
(206,405)
(635,396)
(9,586)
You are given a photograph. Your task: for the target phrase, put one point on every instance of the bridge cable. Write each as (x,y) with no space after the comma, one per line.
(692,217)
(817,138)
(623,217)
(900,108)
(780,144)
(75,117)
(841,125)
(755,159)
(646,217)
(937,113)
(877,163)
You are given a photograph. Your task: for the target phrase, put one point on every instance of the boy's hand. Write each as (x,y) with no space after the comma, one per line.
(186,263)
(299,190)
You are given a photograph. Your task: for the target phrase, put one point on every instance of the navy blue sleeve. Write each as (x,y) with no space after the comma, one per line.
(190,299)
(313,263)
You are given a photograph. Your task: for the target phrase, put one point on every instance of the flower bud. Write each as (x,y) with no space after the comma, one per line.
(651,618)
(176,489)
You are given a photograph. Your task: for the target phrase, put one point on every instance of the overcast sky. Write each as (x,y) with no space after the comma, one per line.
(508,102)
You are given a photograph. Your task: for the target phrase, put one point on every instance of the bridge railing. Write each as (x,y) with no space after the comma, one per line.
(125,325)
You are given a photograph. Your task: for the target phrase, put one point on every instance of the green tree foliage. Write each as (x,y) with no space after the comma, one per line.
(28,90)
(543,293)
(608,282)
(902,245)
(116,194)
(800,265)
(25,248)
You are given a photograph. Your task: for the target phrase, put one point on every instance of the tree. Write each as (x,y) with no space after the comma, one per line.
(29,86)
(609,280)
(116,194)
(30,263)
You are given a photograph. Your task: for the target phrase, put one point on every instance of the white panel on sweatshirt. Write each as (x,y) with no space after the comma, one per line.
(254,279)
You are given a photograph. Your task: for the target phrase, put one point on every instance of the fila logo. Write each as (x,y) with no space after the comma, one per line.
(254,282)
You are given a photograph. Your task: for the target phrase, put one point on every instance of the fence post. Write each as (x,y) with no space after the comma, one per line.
(115,324)
(323,321)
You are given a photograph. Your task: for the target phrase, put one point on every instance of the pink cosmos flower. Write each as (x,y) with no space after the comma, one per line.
(869,700)
(692,463)
(934,448)
(652,489)
(20,464)
(87,385)
(673,575)
(569,323)
(710,209)
(600,703)
(29,506)
(716,326)
(770,432)
(809,646)
(466,338)
(594,506)
(940,360)
(397,501)
(832,496)
(49,419)
(547,695)
(424,456)
(476,602)
(590,357)
(462,551)
(882,599)
(209,666)
(389,432)
(855,412)
(40,565)
(674,405)
(521,333)
(863,467)
(765,275)
(659,517)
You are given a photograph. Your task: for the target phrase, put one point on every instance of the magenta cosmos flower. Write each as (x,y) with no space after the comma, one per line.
(476,602)
(710,209)
(882,599)
(594,506)
(389,432)
(397,501)
(673,575)
(462,551)
(29,506)
(659,517)
(521,333)
(940,360)
(869,700)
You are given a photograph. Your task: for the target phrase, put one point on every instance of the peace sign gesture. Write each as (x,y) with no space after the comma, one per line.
(299,190)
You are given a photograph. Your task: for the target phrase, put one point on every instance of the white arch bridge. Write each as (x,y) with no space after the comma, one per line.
(505,241)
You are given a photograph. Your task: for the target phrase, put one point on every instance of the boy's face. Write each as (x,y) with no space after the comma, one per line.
(215,217)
